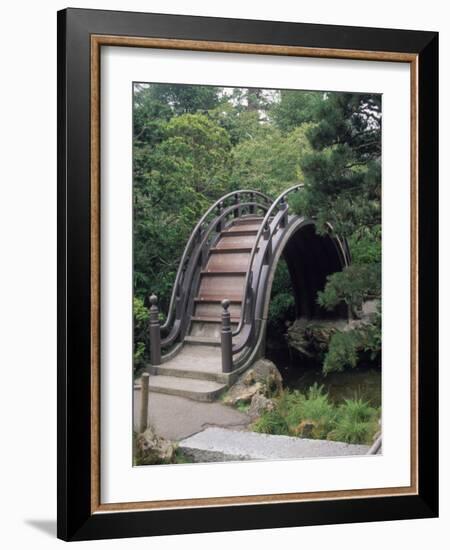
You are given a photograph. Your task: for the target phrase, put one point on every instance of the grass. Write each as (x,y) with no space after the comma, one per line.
(312,415)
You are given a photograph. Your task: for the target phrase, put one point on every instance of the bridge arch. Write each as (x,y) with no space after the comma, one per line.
(231,258)
(310,258)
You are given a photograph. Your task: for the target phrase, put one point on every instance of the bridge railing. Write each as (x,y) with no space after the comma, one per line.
(232,204)
(275,219)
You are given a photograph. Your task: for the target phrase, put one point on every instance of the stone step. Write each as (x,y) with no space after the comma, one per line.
(212,374)
(197,390)
(202,341)
(221,444)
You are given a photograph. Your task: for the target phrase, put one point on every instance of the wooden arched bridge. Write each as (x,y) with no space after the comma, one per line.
(217,318)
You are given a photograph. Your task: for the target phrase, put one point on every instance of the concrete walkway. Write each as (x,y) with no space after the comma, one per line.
(218,445)
(176,418)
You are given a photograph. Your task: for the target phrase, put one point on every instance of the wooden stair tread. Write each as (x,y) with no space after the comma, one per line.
(242,250)
(222,273)
(237,231)
(250,219)
(216,299)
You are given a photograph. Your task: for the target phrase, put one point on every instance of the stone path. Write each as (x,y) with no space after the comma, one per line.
(218,445)
(176,418)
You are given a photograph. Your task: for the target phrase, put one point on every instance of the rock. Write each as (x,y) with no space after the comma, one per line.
(311,338)
(260,404)
(266,373)
(262,378)
(242,394)
(153,449)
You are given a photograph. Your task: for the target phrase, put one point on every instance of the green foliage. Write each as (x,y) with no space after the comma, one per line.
(357,422)
(365,245)
(343,170)
(192,144)
(355,284)
(342,351)
(140,340)
(294,109)
(282,304)
(353,421)
(271,422)
(269,161)
(346,348)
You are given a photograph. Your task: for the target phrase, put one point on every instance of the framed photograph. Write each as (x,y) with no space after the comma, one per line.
(247,241)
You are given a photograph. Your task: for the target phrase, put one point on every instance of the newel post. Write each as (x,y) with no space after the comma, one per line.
(226,340)
(155,332)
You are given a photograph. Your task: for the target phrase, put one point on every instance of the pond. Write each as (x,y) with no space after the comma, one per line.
(363,382)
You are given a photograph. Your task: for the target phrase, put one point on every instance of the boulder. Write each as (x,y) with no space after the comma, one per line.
(262,378)
(266,373)
(242,394)
(311,338)
(153,449)
(260,404)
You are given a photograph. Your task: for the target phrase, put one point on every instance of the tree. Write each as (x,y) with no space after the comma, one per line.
(343,187)
(294,108)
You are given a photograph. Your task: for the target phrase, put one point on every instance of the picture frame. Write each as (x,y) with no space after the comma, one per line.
(81,36)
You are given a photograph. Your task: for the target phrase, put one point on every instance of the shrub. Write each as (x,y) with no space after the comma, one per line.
(141,315)
(356,422)
(313,415)
(342,352)
(271,422)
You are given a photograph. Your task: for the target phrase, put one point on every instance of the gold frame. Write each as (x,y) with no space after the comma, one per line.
(97,41)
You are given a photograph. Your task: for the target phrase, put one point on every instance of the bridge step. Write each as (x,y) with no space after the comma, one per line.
(222,285)
(216,297)
(202,341)
(215,273)
(236,241)
(229,261)
(248,220)
(198,390)
(199,362)
(242,250)
(209,329)
(239,231)
(212,318)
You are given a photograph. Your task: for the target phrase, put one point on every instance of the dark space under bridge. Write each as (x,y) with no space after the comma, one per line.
(217,319)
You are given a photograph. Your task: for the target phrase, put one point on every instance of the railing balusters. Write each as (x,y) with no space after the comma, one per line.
(252,199)
(236,212)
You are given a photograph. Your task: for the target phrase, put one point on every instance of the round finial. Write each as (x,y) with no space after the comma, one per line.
(153,300)
(225,304)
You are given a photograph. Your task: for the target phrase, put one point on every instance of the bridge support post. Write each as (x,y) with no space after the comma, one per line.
(226,340)
(155,332)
